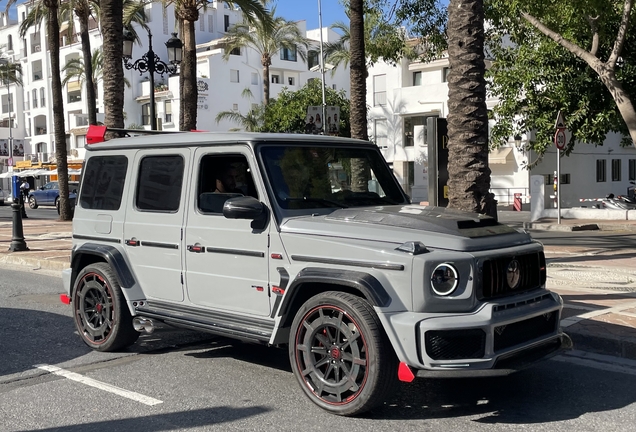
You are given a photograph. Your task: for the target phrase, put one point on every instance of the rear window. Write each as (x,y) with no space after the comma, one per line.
(103,182)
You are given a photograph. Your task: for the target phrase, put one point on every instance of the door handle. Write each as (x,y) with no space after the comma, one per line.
(196,248)
(132,242)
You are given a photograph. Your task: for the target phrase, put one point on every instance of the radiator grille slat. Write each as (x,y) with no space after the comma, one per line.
(495,281)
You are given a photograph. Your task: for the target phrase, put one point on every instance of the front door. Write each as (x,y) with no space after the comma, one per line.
(226,261)
(154,220)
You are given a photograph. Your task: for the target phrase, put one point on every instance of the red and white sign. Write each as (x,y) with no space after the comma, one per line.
(559,139)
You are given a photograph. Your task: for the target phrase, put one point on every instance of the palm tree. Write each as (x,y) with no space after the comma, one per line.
(358,90)
(74,70)
(468,171)
(111,22)
(10,72)
(187,12)
(267,41)
(250,122)
(48,11)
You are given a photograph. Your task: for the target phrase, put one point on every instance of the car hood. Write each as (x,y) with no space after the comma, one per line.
(435,227)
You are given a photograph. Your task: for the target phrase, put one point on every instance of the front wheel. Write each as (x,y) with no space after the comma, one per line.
(101,315)
(340,354)
(32,202)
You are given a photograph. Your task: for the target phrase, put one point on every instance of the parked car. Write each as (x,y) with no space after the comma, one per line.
(49,194)
(309,243)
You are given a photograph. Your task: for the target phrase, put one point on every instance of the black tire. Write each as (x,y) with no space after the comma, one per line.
(32,202)
(340,354)
(101,315)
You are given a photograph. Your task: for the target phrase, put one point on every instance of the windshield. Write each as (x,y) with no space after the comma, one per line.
(318,177)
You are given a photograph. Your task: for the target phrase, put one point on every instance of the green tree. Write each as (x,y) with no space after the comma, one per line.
(187,12)
(468,171)
(75,69)
(10,72)
(250,122)
(267,40)
(288,111)
(111,19)
(48,11)
(563,56)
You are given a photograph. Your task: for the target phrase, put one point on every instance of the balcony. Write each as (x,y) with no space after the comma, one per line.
(40,130)
(78,121)
(38,157)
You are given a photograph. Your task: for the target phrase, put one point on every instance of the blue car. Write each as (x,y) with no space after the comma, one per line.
(49,194)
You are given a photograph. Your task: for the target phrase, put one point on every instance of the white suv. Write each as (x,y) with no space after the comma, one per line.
(306,242)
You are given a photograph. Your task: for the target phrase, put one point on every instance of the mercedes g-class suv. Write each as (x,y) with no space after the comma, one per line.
(306,242)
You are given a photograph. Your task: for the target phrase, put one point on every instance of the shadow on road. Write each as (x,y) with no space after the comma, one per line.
(275,358)
(169,421)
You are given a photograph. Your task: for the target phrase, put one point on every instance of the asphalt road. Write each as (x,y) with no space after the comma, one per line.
(42,212)
(191,381)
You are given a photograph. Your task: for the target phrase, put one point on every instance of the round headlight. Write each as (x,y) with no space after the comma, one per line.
(444,279)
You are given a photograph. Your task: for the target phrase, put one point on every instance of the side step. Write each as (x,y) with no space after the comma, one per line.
(219,323)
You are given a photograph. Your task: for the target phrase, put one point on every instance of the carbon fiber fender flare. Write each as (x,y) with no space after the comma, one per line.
(108,253)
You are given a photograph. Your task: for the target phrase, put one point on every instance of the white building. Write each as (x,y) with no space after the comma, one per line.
(220,83)
(401,98)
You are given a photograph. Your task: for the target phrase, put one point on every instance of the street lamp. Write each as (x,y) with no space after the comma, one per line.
(152,64)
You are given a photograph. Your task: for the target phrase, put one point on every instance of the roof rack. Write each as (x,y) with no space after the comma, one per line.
(96,133)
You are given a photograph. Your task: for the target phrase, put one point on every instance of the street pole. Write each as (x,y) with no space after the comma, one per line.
(322,71)
(558,191)
(151,70)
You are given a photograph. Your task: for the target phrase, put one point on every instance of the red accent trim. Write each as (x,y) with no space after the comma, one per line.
(405,374)
(277,256)
(95,134)
(259,288)
(65,299)
(278,290)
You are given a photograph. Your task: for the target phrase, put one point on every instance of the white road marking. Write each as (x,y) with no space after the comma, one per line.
(100,385)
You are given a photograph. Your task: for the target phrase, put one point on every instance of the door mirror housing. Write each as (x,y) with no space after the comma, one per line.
(246,207)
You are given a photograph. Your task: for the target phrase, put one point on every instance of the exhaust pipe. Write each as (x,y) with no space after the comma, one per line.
(143,325)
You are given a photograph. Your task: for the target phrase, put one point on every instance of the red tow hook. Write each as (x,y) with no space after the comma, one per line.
(405,373)
(65,299)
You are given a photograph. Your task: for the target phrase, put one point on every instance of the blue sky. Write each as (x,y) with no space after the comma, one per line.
(307,10)
(296,10)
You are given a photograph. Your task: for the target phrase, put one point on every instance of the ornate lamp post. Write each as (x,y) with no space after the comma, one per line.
(152,64)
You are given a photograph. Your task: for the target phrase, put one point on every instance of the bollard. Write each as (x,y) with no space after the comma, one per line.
(17,234)
(516,203)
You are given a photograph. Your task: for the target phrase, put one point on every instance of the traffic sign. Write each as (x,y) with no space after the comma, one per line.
(10,162)
(559,139)
(560,121)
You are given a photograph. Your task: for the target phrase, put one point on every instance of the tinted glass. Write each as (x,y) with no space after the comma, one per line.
(223,176)
(329,177)
(159,183)
(103,182)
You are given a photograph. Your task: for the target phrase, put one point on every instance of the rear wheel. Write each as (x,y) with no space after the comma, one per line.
(340,354)
(33,202)
(101,315)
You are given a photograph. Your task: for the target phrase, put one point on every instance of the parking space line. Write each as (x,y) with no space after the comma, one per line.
(100,385)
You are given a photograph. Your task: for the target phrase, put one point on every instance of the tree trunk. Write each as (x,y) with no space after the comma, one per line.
(53,39)
(91,97)
(188,75)
(266,61)
(622,99)
(112,28)
(468,171)
(358,92)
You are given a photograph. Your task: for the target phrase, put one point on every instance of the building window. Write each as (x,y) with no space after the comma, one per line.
(210,23)
(417,78)
(254,78)
(159,183)
(7,104)
(379,90)
(313,59)
(167,111)
(380,133)
(201,24)
(234,75)
(226,22)
(236,52)
(600,171)
(632,169)
(288,54)
(445,72)
(275,79)
(148,14)
(333,86)
(548,179)
(34,99)
(80,141)
(290,81)
(234,107)
(10,43)
(42,97)
(145,114)
(409,130)
(565,178)
(616,170)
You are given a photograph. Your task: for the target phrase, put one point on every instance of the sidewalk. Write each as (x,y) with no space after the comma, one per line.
(598,286)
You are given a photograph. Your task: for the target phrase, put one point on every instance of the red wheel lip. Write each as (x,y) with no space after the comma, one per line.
(366,370)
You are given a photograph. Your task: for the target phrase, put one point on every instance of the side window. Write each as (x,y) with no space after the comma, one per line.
(103,182)
(159,183)
(222,177)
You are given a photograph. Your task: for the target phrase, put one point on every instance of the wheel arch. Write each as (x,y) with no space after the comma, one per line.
(312,281)
(90,253)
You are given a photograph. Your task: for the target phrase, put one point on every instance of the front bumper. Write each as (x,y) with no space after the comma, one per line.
(500,337)
(66,280)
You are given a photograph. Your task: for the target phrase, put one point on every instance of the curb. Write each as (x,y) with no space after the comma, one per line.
(585,227)
(586,341)
(34,263)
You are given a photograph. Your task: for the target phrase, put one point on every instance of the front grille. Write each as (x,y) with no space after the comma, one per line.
(455,344)
(532,274)
(513,334)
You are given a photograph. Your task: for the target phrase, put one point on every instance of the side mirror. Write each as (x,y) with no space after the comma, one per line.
(41,187)
(246,207)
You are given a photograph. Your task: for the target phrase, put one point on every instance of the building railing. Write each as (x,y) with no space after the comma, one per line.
(506,196)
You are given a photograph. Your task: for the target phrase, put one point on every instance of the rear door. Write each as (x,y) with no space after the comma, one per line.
(154,219)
